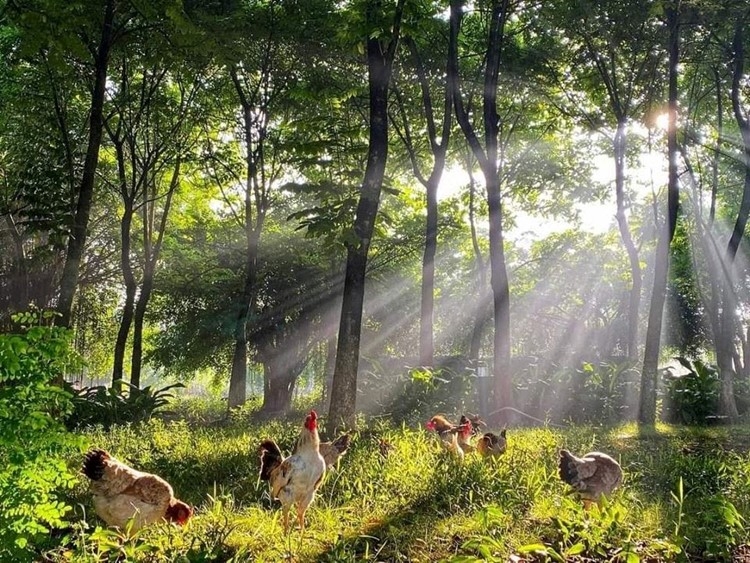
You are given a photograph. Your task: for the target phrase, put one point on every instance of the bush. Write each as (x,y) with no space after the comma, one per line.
(109,406)
(33,440)
(692,398)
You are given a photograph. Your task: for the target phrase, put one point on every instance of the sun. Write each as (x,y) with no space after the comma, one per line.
(662,121)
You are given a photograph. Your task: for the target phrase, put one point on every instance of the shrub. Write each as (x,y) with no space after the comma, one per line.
(109,406)
(33,441)
(692,398)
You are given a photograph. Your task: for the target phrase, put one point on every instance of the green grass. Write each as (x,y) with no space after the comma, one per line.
(686,493)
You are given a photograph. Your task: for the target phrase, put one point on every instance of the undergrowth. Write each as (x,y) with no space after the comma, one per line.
(686,496)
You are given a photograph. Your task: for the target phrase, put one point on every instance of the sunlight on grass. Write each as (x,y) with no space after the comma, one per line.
(419,504)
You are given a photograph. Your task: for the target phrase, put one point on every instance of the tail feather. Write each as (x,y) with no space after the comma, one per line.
(270,458)
(567,466)
(94,463)
(342,443)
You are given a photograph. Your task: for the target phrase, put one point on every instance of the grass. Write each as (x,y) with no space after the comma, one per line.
(686,494)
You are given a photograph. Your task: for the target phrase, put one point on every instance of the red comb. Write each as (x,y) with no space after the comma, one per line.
(313,415)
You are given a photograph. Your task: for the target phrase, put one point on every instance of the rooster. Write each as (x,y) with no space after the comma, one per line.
(294,480)
(591,476)
(121,493)
(332,451)
(492,445)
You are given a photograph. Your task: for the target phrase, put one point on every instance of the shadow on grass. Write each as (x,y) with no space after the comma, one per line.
(398,536)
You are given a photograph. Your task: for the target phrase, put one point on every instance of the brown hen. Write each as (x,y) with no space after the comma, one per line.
(121,493)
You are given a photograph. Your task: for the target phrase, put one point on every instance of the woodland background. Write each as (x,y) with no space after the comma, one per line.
(557,192)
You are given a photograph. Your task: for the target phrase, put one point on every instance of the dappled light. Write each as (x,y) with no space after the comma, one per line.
(380,280)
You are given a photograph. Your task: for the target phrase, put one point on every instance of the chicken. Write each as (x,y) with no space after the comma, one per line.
(294,480)
(448,434)
(492,445)
(385,448)
(464,434)
(591,476)
(121,493)
(332,451)
(476,422)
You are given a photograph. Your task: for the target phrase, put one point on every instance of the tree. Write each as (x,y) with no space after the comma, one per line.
(488,159)
(617,67)
(76,243)
(381,52)
(263,51)
(150,128)
(438,145)
(649,375)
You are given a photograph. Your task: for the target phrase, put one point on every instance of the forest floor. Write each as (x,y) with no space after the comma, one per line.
(685,496)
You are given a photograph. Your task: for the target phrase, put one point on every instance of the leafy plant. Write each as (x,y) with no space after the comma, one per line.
(692,398)
(33,440)
(105,406)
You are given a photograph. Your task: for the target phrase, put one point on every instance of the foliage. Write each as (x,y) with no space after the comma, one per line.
(594,393)
(573,535)
(418,504)
(415,394)
(692,397)
(33,440)
(107,406)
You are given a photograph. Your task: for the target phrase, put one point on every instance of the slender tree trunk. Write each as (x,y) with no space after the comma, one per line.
(439,149)
(634,302)
(238,377)
(130,290)
(136,361)
(380,58)
(237,381)
(727,337)
(488,159)
(427,307)
(152,253)
(649,375)
(126,222)
(480,275)
(77,239)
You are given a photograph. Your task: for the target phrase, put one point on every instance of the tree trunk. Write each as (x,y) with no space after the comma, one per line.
(279,390)
(634,302)
(279,379)
(238,377)
(725,348)
(427,306)
(122,337)
(439,148)
(151,253)
(488,159)
(480,275)
(380,56)
(77,239)
(649,375)
(127,269)
(140,312)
